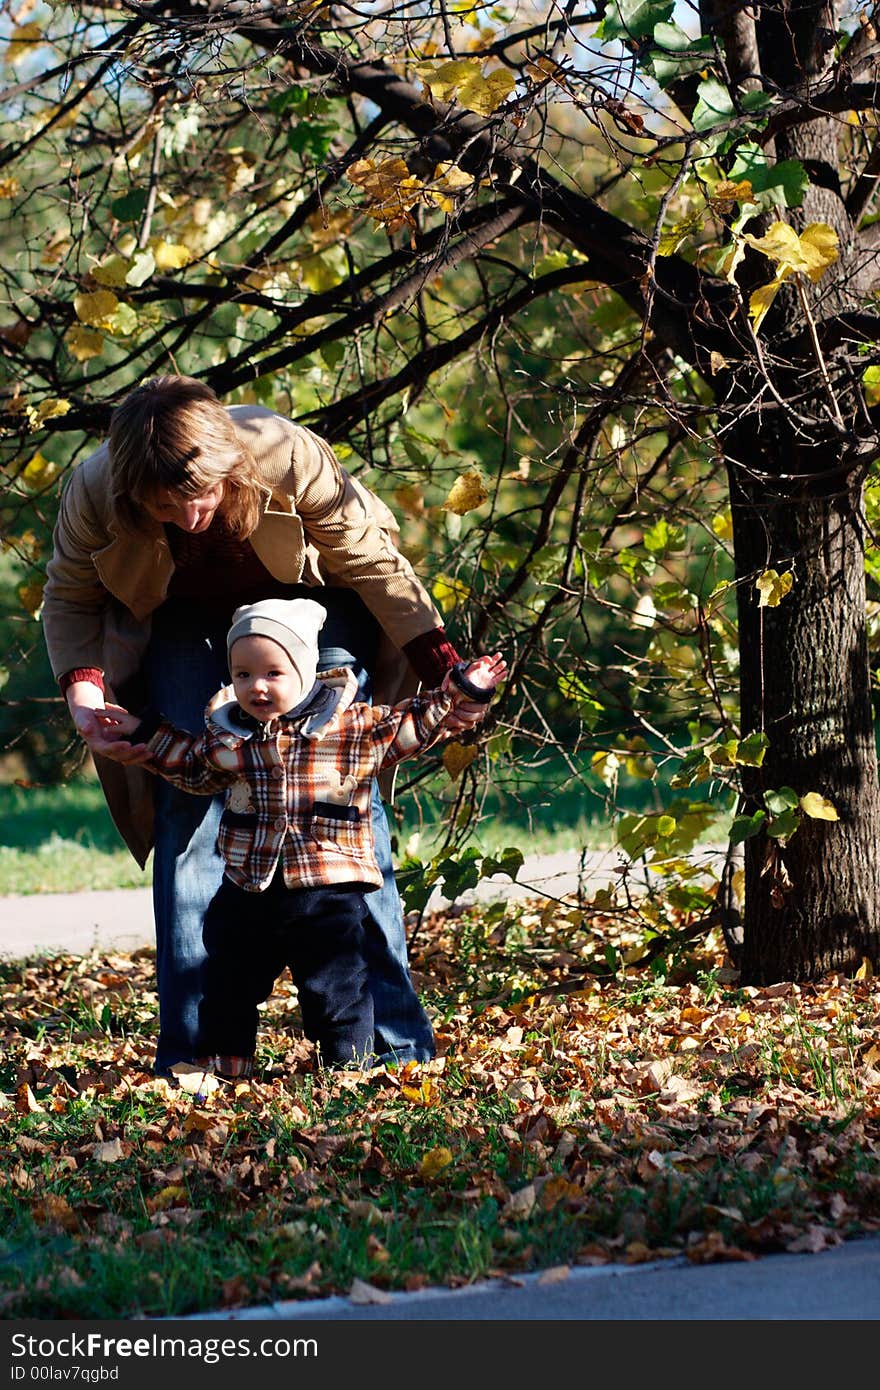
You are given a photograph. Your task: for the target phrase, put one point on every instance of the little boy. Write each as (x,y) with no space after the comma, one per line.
(296,755)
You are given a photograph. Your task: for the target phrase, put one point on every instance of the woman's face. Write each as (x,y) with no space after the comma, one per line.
(191,514)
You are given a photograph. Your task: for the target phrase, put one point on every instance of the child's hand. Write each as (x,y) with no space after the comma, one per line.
(487,671)
(484,673)
(114,720)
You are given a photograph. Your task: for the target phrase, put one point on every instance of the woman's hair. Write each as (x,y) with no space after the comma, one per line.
(172,434)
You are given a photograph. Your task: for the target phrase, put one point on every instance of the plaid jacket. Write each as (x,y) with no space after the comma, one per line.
(298,788)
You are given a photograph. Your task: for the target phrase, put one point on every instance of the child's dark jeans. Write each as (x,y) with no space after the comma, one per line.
(318,933)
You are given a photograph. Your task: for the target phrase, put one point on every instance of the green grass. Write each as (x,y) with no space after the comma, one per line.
(61,840)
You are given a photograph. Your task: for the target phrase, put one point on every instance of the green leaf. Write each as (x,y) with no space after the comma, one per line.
(287,100)
(785,182)
(724,754)
(871,383)
(662,536)
(783,827)
(633,19)
(415,883)
(510,863)
(588,707)
(677,54)
(744,827)
(142,268)
(332,354)
(129,207)
(752,750)
(311,137)
(782,800)
(715,104)
(460,874)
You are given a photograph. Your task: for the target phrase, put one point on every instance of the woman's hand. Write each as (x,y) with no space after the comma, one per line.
(99,725)
(463,716)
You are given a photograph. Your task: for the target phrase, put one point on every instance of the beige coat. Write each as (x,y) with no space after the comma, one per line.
(319,526)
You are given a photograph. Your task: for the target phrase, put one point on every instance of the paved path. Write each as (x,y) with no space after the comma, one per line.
(839,1284)
(123,920)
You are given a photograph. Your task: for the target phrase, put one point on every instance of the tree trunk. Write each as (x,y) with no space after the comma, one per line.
(813,900)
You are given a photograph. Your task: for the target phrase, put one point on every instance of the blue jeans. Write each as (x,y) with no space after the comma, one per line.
(185,665)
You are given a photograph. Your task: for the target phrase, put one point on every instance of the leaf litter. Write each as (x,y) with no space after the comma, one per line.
(581,1110)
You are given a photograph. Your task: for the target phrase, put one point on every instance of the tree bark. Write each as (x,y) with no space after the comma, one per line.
(813,899)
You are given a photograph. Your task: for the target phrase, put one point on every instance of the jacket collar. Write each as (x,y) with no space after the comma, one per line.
(332,693)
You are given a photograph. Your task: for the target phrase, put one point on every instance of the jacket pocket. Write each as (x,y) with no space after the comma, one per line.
(235,838)
(337,828)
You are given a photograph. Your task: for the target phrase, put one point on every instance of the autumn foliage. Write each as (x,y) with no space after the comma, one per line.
(573,1117)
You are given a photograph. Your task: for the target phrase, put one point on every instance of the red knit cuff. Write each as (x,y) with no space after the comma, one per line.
(81,673)
(431,655)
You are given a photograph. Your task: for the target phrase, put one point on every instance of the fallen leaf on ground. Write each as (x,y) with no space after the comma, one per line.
(362,1293)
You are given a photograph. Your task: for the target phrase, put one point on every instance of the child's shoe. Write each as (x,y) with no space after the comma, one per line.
(228,1068)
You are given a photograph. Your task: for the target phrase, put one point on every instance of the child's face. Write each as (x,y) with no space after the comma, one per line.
(265,680)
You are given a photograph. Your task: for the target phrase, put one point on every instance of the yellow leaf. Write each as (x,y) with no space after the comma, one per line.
(722,525)
(424,1094)
(466,494)
(30,596)
(46,410)
(171,1196)
(773,587)
(673,236)
(23,39)
(55,1210)
(717,362)
(39,472)
(730,259)
(449,592)
(761,299)
(434,1161)
(781,244)
(865,972)
(809,254)
(451,176)
(485,94)
(84,343)
(170,255)
(819,247)
(96,309)
(9,188)
(726,193)
(411,501)
(818,807)
(323,270)
(444,79)
(457,756)
(606,766)
(111,272)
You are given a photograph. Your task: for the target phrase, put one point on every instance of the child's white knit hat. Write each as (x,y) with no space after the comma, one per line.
(294,623)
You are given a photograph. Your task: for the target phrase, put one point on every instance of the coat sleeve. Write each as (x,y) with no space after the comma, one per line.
(185,760)
(74,599)
(406,729)
(354,533)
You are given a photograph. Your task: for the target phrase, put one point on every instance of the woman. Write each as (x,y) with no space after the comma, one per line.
(187,512)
